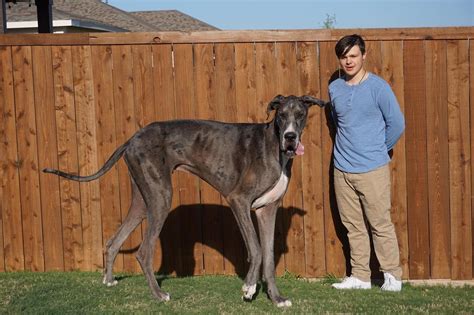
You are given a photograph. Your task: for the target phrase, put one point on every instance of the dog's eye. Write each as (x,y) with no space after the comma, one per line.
(282,116)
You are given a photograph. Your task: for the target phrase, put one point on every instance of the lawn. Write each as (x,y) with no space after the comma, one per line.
(84,293)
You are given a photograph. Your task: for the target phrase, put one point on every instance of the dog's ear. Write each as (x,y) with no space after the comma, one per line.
(275,103)
(310,101)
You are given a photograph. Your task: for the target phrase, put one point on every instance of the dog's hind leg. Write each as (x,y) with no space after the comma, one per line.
(135,215)
(241,211)
(266,217)
(156,189)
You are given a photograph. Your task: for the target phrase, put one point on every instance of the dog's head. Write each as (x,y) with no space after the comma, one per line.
(290,119)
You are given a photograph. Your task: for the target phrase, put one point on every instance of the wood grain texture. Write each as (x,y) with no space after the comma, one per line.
(417,159)
(31,215)
(438,161)
(459,157)
(68,104)
(12,228)
(392,72)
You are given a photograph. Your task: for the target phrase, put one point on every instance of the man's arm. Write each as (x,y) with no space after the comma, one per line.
(394,120)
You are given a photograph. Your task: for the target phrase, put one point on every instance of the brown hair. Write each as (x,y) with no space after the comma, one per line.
(347,42)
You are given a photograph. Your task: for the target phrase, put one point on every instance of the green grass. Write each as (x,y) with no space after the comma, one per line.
(84,293)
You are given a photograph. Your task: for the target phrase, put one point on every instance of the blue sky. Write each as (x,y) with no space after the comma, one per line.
(307,14)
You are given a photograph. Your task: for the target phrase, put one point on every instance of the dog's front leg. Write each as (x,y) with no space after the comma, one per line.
(266,217)
(241,210)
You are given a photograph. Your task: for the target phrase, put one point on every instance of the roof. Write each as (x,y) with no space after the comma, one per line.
(173,20)
(99,13)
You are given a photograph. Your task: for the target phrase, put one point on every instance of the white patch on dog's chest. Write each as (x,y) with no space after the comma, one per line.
(273,194)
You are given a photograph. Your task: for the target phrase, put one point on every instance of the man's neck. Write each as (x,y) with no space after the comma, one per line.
(357,78)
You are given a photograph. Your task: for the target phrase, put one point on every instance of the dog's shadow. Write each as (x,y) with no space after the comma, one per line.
(214,230)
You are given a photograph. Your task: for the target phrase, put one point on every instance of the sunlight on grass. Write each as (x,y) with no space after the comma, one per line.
(83,292)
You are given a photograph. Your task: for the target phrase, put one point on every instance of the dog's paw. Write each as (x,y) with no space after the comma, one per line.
(109,283)
(249,291)
(162,296)
(165,297)
(284,303)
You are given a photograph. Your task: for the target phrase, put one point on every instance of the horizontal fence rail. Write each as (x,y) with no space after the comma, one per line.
(67,101)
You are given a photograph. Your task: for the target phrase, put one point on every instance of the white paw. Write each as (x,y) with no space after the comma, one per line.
(166,297)
(249,291)
(286,303)
(109,284)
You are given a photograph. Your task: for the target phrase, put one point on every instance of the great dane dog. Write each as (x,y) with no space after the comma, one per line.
(248,163)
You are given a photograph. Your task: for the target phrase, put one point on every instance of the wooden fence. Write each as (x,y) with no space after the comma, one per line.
(67,101)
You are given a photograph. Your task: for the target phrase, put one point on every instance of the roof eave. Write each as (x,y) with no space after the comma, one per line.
(67,23)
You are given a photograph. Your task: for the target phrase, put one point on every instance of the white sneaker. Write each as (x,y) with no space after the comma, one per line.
(352,283)
(391,284)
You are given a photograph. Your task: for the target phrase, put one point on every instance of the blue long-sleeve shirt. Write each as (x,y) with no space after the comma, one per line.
(368,121)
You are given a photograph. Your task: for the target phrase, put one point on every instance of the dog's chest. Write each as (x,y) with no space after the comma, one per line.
(273,194)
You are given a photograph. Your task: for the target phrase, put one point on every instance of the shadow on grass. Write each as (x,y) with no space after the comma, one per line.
(190,231)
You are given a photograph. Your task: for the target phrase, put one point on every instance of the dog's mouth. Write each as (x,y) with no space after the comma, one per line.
(293,149)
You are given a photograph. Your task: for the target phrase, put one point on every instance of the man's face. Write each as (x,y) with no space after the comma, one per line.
(352,61)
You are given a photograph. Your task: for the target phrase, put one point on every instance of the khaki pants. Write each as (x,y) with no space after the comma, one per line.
(367,195)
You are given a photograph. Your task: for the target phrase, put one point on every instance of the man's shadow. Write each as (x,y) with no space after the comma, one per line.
(177,249)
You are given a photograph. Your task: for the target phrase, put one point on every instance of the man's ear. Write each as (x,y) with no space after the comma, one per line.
(308,100)
(275,103)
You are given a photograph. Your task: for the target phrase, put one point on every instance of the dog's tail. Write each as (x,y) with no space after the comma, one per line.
(106,167)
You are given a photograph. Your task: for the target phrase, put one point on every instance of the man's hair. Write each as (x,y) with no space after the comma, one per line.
(347,42)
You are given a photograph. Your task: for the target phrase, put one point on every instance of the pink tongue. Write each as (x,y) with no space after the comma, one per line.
(299,149)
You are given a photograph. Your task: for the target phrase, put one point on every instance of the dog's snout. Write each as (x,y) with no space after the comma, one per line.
(290,136)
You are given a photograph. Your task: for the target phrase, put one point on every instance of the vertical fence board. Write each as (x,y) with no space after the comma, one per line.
(10,178)
(417,201)
(245,97)
(143,92)
(212,227)
(471,104)
(245,84)
(168,254)
(438,162)
(312,180)
(67,155)
(265,65)
(102,65)
(125,123)
(28,157)
(48,157)
(373,62)
(224,97)
(2,173)
(335,234)
(87,150)
(392,71)
(145,113)
(293,225)
(190,219)
(459,156)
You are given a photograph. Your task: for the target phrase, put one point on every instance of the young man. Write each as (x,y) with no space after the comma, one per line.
(368,124)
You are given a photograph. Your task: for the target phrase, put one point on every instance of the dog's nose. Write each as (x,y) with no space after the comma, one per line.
(290,136)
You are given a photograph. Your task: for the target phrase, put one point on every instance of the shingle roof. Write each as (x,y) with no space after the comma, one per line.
(173,20)
(102,13)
